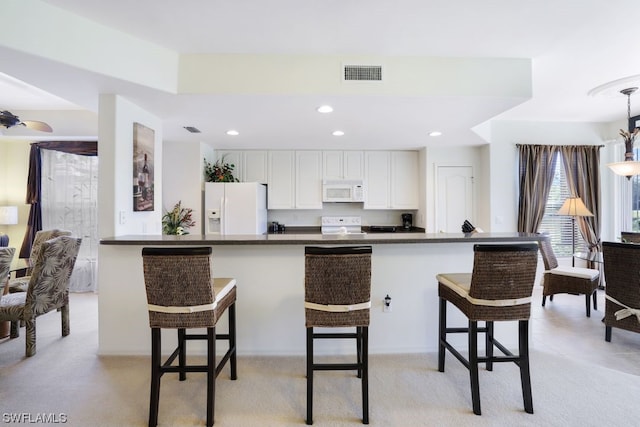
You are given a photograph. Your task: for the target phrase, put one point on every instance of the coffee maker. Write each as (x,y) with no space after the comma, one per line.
(407,221)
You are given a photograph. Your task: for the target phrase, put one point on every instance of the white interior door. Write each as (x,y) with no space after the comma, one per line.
(454,202)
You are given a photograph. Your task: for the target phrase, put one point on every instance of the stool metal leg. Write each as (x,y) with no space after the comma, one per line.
(473,366)
(211,374)
(155,377)
(232,340)
(309,376)
(182,354)
(365,373)
(359,349)
(442,326)
(489,345)
(525,376)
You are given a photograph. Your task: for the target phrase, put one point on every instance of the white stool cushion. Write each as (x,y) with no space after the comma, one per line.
(579,272)
(460,283)
(222,286)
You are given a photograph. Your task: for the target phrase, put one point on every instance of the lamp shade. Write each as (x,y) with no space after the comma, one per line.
(8,215)
(574,206)
(626,168)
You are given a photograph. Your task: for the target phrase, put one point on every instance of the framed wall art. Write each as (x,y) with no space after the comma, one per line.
(143,144)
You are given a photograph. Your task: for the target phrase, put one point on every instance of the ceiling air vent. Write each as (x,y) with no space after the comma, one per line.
(192,129)
(367,73)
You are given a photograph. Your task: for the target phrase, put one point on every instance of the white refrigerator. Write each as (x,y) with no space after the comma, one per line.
(235,208)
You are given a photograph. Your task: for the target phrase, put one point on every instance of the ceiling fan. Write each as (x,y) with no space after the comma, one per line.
(8,120)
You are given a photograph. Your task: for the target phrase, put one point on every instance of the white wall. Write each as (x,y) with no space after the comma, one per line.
(182,180)
(115,180)
(14,169)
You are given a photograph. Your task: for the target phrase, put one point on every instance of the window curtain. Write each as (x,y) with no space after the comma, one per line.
(537,166)
(34,223)
(582,166)
(69,190)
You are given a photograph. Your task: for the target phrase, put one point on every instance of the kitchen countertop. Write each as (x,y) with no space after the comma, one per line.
(304,238)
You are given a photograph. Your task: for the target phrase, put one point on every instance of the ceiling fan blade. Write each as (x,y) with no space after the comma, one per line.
(36,125)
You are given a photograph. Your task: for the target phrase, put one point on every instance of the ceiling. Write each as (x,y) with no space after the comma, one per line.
(575,46)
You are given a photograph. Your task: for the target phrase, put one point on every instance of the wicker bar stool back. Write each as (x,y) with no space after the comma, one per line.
(338,294)
(499,289)
(567,280)
(630,237)
(622,299)
(182,294)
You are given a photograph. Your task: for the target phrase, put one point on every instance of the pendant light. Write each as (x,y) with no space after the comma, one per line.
(629,167)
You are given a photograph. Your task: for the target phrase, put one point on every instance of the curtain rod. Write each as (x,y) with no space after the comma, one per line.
(564,145)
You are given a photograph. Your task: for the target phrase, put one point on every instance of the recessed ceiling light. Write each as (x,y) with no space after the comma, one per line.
(233,132)
(325,109)
(435,133)
(337,133)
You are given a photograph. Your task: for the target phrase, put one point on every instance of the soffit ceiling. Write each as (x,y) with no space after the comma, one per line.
(574,46)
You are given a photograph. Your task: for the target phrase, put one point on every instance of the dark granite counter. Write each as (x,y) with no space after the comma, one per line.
(305,238)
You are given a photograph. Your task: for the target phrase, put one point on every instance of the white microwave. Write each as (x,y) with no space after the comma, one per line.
(342,190)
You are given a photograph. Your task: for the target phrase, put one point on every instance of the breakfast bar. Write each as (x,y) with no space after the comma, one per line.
(269,270)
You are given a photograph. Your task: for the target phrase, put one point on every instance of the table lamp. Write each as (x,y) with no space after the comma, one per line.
(574,207)
(8,216)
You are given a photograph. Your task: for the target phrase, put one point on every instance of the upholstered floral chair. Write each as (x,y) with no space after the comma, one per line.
(20,284)
(48,289)
(6,257)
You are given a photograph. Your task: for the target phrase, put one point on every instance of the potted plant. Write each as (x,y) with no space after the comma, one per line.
(220,171)
(177,220)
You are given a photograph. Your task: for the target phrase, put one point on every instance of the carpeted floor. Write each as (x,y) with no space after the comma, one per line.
(69,381)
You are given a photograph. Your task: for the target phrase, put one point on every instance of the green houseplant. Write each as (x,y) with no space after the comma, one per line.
(220,171)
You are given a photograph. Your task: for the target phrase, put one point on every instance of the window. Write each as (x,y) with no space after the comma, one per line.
(560,228)
(635,196)
(69,202)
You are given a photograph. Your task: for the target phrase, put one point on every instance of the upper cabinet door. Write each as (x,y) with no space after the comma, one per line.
(280,185)
(404,179)
(308,180)
(255,166)
(353,164)
(377,176)
(343,164)
(332,165)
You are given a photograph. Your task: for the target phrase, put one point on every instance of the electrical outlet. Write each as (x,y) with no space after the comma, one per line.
(386,304)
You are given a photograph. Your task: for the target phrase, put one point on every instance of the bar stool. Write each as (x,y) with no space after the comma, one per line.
(182,294)
(499,289)
(338,294)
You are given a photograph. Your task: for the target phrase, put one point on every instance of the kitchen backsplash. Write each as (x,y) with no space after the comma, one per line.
(311,218)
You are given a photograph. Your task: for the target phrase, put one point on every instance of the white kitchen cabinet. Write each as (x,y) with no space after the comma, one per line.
(308,185)
(294,180)
(391,179)
(404,179)
(255,166)
(281,180)
(338,164)
(377,179)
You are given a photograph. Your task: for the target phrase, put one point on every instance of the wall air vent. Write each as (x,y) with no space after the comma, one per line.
(192,129)
(367,73)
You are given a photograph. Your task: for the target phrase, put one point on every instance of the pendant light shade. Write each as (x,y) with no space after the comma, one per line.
(629,167)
